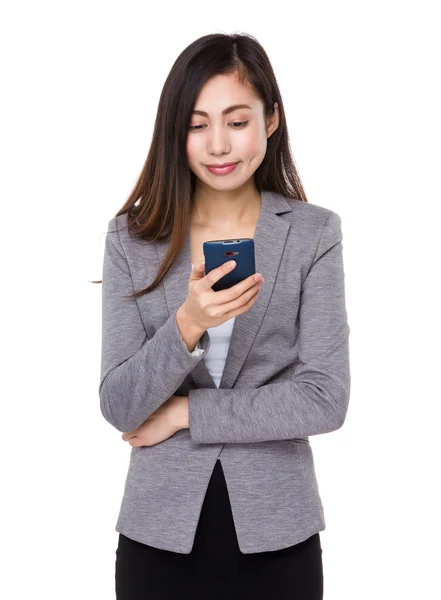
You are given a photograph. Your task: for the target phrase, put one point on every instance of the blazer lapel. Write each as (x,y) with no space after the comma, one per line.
(269,241)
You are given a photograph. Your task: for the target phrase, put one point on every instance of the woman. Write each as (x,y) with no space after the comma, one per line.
(217,392)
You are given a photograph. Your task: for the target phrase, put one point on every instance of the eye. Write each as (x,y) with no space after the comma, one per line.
(240,123)
(195,127)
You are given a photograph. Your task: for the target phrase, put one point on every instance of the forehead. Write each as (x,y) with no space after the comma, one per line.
(222,92)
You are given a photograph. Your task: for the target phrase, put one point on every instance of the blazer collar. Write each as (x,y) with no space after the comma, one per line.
(269,241)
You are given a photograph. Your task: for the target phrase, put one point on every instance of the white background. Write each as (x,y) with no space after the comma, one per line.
(80,87)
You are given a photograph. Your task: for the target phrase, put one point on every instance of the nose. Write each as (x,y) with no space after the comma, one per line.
(219,141)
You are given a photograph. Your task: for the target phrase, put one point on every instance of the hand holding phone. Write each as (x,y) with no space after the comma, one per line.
(206,308)
(218,252)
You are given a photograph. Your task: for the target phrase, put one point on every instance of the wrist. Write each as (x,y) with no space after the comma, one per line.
(189,332)
(181,413)
(185,319)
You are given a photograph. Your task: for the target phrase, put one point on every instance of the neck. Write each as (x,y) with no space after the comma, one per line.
(225,210)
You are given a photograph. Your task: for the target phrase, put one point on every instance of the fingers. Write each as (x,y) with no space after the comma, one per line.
(240,288)
(218,273)
(198,271)
(241,304)
(215,274)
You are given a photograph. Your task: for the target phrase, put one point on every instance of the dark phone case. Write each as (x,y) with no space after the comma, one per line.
(217,252)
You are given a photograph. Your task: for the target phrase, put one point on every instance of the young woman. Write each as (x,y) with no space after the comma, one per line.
(217,393)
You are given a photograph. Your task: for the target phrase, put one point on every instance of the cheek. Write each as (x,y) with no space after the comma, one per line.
(252,143)
(193,148)
(189,148)
(253,146)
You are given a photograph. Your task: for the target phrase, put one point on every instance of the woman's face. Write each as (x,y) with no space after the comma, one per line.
(237,136)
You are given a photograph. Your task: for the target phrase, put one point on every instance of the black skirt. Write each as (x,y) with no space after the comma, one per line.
(216,569)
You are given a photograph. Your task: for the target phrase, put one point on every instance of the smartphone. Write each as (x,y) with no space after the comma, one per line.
(218,252)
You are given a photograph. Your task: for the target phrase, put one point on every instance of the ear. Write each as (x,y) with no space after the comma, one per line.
(273,121)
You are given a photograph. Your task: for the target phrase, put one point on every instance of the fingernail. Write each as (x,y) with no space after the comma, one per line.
(232,263)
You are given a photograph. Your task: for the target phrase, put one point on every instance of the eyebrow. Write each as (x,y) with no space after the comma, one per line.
(226,111)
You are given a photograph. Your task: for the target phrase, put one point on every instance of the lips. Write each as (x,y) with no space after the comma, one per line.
(220,166)
(222,169)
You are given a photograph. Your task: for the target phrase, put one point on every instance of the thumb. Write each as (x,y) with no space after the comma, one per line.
(198,272)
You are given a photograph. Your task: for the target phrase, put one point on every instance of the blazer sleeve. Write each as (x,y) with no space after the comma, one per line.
(315,399)
(137,374)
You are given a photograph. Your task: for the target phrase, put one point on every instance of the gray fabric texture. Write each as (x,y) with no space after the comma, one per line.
(286,377)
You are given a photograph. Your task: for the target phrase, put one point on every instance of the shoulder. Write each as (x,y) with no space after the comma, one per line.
(118,230)
(311,219)
(117,224)
(135,250)
(308,210)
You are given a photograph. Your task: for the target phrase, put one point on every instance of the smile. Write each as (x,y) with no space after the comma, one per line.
(222,170)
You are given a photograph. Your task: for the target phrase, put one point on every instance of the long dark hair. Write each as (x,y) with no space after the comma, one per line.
(159,206)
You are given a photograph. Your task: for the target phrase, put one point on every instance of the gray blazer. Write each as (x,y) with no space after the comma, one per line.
(286,377)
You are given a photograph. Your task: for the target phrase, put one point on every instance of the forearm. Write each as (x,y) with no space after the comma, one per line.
(180,416)
(275,411)
(131,391)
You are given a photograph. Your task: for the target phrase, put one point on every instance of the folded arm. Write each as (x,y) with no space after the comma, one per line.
(316,398)
(137,374)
